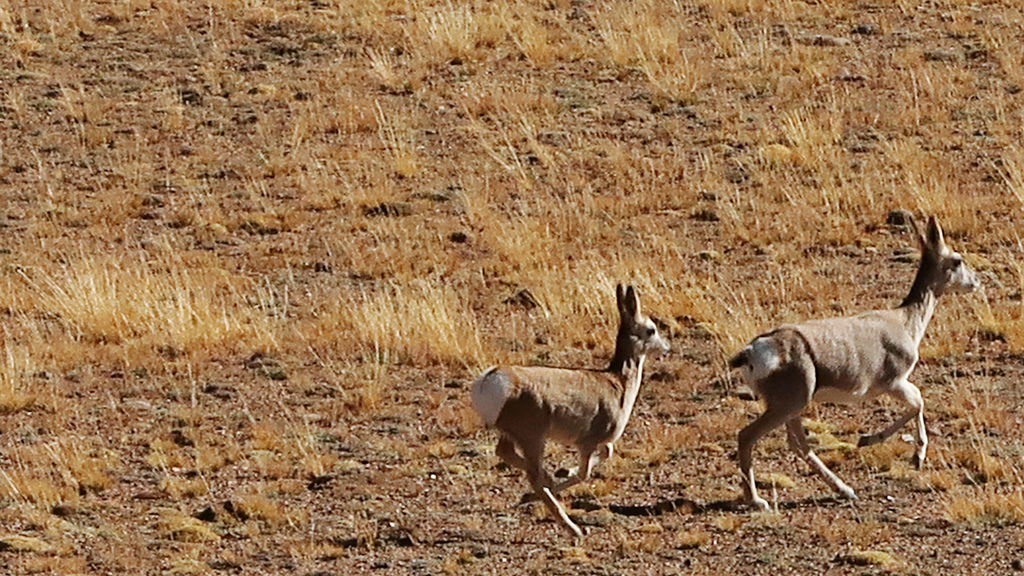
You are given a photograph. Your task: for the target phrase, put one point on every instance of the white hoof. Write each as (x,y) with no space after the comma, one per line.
(759,504)
(847,492)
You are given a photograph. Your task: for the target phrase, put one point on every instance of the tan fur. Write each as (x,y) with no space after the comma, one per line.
(847,360)
(584,408)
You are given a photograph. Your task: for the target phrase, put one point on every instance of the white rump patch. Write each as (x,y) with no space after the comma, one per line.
(489,393)
(762,359)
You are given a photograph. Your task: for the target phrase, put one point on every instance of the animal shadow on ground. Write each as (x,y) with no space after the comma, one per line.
(686,505)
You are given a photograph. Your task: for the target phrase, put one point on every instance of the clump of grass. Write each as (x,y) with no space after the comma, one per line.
(45,474)
(1004,322)
(453,31)
(646,35)
(35,487)
(259,507)
(120,300)
(16,392)
(985,506)
(878,558)
(420,321)
(690,539)
(25,544)
(175,525)
(400,142)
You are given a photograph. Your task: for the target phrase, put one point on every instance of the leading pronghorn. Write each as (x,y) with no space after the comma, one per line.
(847,360)
(584,408)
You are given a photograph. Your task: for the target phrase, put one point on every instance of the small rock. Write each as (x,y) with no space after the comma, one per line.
(207,514)
(709,256)
(705,215)
(736,174)
(938,55)
(822,40)
(458,237)
(388,209)
(524,299)
(63,510)
(899,218)
(179,438)
(319,482)
(153,201)
(866,29)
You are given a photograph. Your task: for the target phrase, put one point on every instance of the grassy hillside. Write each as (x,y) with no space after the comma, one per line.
(252,253)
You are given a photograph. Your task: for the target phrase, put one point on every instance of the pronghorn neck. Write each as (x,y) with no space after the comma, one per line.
(633,376)
(625,357)
(918,313)
(919,305)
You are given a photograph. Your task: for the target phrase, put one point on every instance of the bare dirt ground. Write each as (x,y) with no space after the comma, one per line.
(253,254)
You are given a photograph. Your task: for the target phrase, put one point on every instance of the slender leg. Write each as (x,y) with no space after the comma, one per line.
(910,396)
(797,436)
(580,473)
(748,437)
(506,450)
(541,482)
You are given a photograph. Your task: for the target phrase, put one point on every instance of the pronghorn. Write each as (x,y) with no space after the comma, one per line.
(847,360)
(584,408)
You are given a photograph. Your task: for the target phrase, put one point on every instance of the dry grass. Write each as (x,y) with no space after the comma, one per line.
(253,253)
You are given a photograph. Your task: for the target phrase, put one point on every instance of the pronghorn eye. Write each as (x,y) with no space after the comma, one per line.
(651,330)
(957,262)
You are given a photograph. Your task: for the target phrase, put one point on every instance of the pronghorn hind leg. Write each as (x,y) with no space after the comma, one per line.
(747,439)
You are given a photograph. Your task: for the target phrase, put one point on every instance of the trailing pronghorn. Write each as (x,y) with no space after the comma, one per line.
(847,360)
(584,408)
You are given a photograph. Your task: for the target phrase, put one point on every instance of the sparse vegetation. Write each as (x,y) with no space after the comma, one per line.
(252,254)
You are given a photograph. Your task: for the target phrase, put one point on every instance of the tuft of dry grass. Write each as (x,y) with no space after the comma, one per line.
(416,322)
(985,506)
(175,525)
(108,300)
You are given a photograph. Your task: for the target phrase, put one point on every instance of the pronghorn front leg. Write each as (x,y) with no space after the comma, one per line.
(582,472)
(576,474)
(797,436)
(910,395)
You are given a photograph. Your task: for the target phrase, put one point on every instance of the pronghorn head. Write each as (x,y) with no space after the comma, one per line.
(637,332)
(942,269)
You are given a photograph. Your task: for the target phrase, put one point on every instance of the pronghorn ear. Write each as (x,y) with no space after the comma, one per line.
(620,299)
(631,304)
(935,237)
(917,233)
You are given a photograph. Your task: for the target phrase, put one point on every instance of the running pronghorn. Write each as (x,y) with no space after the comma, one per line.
(847,360)
(580,407)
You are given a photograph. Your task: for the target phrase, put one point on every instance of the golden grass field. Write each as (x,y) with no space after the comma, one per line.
(253,253)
